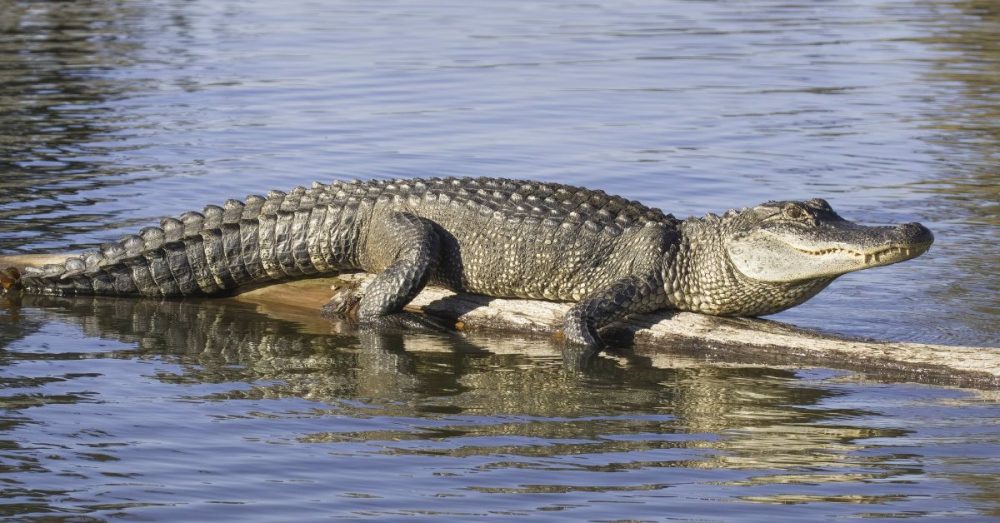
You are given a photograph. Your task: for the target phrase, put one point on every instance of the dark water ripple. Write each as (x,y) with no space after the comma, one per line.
(196,411)
(113,114)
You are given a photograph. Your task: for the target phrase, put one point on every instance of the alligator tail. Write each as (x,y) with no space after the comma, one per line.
(217,251)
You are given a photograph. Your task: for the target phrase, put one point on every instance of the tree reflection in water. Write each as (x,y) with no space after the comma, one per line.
(62,166)
(964,131)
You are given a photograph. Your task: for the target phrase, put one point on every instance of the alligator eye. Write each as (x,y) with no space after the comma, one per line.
(793,212)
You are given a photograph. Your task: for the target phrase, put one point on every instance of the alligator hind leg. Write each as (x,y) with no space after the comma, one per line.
(403,250)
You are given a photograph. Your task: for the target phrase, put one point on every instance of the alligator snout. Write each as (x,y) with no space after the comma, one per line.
(915,234)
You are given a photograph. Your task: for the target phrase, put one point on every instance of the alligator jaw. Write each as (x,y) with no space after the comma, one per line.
(879,256)
(782,254)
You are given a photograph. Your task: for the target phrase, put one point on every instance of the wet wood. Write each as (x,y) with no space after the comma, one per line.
(743,339)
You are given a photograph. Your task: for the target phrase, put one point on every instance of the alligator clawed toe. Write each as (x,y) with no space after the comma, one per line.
(9,278)
(344,302)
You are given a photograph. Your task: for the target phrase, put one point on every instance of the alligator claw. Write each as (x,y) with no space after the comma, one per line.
(9,278)
(344,302)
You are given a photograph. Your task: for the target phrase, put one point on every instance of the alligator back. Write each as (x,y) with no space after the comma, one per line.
(525,239)
(499,237)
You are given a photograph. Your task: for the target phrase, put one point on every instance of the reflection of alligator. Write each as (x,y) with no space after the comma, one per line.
(223,341)
(435,390)
(494,237)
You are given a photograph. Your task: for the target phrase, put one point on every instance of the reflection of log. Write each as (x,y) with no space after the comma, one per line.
(746,340)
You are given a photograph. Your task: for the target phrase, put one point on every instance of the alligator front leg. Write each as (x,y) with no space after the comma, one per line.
(403,250)
(631,295)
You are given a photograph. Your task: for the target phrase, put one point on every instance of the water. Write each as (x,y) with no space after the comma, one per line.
(113,114)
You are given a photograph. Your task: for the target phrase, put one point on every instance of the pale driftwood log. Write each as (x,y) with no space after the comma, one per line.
(728,339)
(743,339)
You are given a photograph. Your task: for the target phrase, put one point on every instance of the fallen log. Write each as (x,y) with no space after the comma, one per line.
(747,340)
(743,340)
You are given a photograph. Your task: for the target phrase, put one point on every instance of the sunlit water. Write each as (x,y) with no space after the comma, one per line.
(113,114)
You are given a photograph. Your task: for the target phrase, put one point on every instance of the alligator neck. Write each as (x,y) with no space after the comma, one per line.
(699,277)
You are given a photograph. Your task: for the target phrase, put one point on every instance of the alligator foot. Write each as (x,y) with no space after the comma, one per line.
(346,299)
(344,302)
(9,280)
(9,284)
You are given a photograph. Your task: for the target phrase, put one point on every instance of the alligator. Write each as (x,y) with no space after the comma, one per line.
(496,237)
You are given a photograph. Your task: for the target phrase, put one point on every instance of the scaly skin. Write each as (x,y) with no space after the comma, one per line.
(504,238)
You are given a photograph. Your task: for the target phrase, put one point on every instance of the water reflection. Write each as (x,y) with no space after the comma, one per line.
(967,117)
(56,60)
(477,373)
(506,407)
(965,131)
(769,418)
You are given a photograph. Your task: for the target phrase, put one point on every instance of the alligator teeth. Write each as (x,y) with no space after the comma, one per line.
(869,258)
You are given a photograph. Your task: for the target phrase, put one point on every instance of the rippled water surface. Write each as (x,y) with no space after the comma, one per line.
(113,114)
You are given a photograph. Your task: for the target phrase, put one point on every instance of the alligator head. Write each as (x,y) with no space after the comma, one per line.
(776,255)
